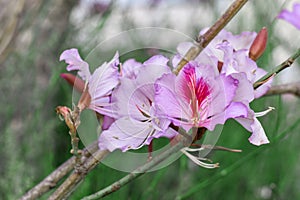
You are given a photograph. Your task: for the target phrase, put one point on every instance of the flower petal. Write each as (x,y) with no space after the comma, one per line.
(104,79)
(251,123)
(168,103)
(292,17)
(72,57)
(157,60)
(125,134)
(258,136)
(130,68)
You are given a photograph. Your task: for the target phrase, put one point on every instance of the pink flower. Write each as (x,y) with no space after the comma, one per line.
(251,123)
(133,102)
(100,84)
(241,67)
(197,97)
(130,68)
(231,54)
(241,41)
(238,61)
(292,17)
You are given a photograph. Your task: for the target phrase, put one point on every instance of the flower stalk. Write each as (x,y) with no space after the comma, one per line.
(287,63)
(72,121)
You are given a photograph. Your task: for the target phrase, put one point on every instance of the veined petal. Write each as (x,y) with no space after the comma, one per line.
(125,134)
(234,110)
(244,91)
(167,102)
(151,71)
(251,123)
(104,79)
(258,136)
(121,97)
(240,41)
(237,62)
(130,68)
(72,57)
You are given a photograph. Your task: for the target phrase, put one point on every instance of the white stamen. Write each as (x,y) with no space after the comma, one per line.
(198,160)
(260,114)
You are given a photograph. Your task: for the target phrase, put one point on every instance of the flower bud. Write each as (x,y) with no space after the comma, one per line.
(74,81)
(259,44)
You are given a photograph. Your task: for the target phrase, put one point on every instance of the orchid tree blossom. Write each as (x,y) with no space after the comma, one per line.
(99,84)
(198,97)
(231,54)
(244,69)
(238,61)
(135,109)
(241,41)
(293,16)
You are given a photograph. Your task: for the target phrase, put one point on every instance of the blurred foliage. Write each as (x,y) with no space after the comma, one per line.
(34,141)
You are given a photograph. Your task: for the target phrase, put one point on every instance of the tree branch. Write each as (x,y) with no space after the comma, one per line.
(203,40)
(68,186)
(52,179)
(287,63)
(290,88)
(136,173)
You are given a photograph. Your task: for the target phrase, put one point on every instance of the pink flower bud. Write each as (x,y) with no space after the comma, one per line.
(259,44)
(74,81)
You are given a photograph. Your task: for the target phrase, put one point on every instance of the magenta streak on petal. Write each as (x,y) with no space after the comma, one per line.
(197,92)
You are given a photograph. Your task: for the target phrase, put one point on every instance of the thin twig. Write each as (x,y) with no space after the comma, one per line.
(290,88)
(68,186)
(136,173)
(203,40)
(287,63)
(52,179)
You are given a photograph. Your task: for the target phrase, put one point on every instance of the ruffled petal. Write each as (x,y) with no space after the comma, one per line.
(125,134)
(130,68)
(258,136)
(251,123)
(234,110)
(72,57)
(244,91)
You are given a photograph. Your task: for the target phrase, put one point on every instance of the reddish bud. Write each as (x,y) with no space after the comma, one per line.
(220,66)
(259,44)
(74,81)
(63,111)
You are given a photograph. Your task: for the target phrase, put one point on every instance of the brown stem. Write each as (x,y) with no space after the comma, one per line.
(287,63)
(68,186)
(290,88)
(137,173)
(203,40)
(52,179)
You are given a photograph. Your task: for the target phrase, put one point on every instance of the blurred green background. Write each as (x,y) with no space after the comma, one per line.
(34,141)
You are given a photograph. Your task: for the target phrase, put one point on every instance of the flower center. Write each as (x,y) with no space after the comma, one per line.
(198,92)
